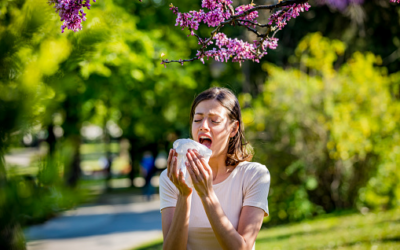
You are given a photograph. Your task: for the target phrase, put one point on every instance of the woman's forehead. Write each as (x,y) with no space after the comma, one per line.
(210,108)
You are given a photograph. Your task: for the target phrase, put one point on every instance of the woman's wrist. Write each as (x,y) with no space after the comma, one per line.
(207,197)
(184,196)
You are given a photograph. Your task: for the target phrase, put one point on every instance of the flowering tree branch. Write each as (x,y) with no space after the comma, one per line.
(221,13)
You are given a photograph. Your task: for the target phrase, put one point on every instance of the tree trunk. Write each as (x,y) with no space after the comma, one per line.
(74,171)
(134,158)
(107,141)
(51,140)
(72,126)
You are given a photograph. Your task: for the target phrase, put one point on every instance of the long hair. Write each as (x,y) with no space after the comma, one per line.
(239,149)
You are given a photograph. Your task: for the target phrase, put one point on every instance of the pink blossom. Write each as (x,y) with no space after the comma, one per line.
(236,49)
(288,12)
(271,43)
(213,18)
(71,12)
(250,17)
(212,4)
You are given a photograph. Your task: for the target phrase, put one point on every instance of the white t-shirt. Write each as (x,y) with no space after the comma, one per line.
(247,185)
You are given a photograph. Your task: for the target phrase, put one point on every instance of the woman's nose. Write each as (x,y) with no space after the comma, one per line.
(204,125)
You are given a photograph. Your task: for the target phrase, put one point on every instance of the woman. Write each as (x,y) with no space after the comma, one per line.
(226,208)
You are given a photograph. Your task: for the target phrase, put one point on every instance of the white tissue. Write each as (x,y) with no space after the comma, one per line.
(181,146)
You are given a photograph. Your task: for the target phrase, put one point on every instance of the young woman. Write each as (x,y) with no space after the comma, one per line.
(225,209)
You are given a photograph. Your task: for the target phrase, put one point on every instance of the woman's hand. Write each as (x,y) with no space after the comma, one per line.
(200,172)
(175,175)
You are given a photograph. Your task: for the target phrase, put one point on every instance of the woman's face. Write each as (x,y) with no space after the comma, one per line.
(212,127)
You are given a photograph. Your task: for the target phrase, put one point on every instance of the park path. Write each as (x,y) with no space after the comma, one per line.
(115,226)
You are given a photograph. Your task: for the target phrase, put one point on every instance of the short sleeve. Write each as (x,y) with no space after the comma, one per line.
(168,191)
(256,187)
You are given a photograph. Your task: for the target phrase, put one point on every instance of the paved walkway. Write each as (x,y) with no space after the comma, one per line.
(111,227)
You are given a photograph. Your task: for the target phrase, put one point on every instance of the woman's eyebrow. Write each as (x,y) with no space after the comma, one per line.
(210,114)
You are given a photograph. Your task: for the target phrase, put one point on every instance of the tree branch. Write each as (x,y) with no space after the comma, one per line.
(269,7)
(235,18)
(252,30)
(254,23)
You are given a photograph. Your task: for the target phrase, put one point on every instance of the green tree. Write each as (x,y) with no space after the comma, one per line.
(325,133)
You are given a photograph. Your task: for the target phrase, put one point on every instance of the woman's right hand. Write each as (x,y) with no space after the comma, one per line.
(176,175)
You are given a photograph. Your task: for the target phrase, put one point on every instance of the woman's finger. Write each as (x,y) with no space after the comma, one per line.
(174,170)
(199,164)
(182,178)
(185,189)
(169,163)
(192,163)
(191,172)
(204,163)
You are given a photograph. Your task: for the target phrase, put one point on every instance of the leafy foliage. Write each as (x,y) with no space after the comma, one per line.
(110,72)
(325,133)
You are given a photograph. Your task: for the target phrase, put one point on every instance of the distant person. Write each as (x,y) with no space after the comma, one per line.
(148,170)
(225,210)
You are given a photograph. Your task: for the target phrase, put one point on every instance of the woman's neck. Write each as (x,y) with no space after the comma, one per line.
(218,167)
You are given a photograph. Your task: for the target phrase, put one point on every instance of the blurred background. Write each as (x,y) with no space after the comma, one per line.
(87,119)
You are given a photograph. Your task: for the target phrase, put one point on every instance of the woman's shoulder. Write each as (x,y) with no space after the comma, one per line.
(249,167)
(164,180)
(163,174)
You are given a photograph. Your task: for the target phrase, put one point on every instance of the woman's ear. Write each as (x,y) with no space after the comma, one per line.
(235,128)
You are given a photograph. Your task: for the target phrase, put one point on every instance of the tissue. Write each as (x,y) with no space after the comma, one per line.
(181,147)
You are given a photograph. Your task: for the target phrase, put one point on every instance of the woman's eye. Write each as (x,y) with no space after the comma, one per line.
(215,122)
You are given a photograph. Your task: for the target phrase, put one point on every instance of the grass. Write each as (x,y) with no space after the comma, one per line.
(379,230)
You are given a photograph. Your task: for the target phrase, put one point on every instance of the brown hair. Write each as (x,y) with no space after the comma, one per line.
(239,149)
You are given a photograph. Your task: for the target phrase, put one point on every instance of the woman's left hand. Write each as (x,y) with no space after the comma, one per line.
(200,172)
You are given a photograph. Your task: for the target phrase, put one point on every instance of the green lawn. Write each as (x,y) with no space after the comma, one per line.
(356,231)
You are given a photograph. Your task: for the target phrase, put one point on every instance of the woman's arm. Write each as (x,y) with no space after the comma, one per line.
(175,220)
(175,224)
(250,219)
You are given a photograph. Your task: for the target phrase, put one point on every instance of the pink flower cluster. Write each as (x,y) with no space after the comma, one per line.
(252,16)
(213,18)
(213,4)
(236,49)
(395,1)
(71,12)
(286,13)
